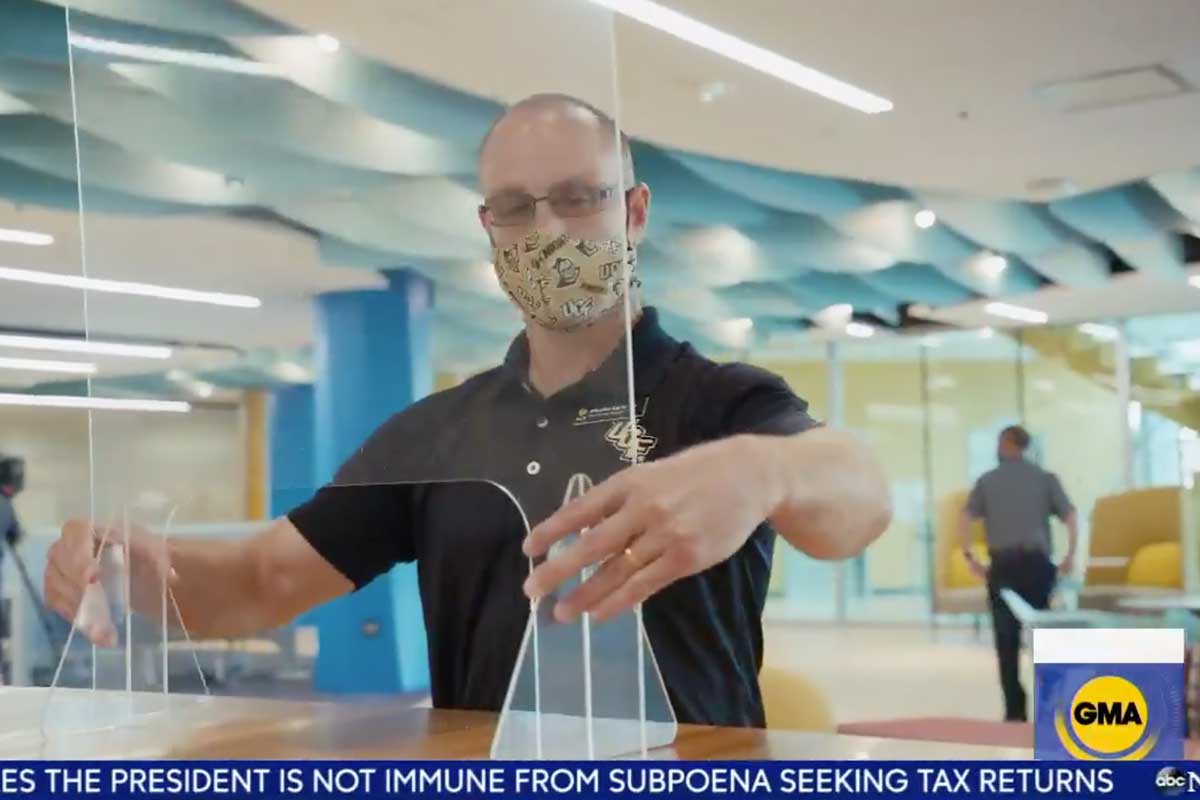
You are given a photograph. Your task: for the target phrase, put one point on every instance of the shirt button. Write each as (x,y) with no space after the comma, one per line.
(533,468)
(542,422)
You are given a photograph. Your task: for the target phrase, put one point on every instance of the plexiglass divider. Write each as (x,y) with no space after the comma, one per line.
(179,240)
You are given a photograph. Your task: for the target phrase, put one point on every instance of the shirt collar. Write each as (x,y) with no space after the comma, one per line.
(653,351)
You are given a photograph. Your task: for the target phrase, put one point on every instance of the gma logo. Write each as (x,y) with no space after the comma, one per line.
(1109,721)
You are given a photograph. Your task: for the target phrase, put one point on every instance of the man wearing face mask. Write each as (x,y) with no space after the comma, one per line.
(731,457)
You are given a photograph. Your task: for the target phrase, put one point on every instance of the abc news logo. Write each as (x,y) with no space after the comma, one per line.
(1172,781)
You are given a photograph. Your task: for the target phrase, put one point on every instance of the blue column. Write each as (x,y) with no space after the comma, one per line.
(293,458)
(372,360)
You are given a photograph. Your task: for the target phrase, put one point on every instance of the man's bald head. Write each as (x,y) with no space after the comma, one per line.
(551,114)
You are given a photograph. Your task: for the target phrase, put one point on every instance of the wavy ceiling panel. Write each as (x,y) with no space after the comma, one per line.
(379,166)
(1134,211)
(1072,263)
(918,283)
(1181,190)
(789,191)
(1007,226)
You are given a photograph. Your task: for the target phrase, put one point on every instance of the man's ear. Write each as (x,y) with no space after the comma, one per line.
(485,223)
(637,213)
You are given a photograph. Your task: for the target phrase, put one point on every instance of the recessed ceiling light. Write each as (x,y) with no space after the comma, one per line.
(23,342)
(94,403)
(328,43)
(32,238)
(127,287)
(931,341)
(860,330)
(993,265)
(711,91)
(42,365)
(924,218)
(717,41)
(169,55)
(1194,281)
(986,332)
(1018,313)
(834,316)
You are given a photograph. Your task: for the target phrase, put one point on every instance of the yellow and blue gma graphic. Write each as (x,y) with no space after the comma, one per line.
(1108,694)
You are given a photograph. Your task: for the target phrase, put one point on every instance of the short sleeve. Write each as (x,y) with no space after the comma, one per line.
(740,398)
(361,523)
(1060,504)
(975,505)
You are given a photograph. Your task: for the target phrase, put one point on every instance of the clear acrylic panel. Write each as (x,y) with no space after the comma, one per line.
(43,360)
(305,188)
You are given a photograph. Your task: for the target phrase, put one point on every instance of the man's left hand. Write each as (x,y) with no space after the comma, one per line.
(654,523)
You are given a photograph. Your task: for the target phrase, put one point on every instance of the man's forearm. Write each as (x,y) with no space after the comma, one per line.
(964,532)
(1072,534)
(216,587)
(830,493)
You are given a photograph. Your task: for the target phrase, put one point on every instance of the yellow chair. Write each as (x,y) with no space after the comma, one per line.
(793,702)
(1136,538)
(1158,566)
(956,589)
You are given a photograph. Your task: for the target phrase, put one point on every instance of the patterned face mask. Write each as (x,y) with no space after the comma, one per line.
(564,283)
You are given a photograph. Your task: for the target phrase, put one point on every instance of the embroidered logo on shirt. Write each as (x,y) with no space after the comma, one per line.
(613,413)
(631,440)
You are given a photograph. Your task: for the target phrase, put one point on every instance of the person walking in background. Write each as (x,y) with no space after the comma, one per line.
(1015,501)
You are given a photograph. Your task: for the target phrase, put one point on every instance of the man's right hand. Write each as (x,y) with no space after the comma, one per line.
(73,582)
(978,569)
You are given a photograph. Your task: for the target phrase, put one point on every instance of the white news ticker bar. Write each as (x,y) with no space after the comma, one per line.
(1108,646)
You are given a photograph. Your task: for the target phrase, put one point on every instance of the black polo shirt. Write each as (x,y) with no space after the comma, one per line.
(466,535)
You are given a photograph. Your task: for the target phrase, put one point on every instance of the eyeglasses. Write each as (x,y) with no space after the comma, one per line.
(574,200)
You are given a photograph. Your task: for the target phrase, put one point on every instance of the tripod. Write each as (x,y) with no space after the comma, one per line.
(39,609)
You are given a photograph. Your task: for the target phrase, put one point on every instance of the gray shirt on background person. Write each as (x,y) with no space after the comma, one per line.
(1015,501)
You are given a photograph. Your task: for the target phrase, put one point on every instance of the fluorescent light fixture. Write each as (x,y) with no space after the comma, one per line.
(328,43)
(1194,281)
(168,55)
(32,238)
(924,218)
(717,41)
(931,341)
(126,287)
(993,266)
(859,330)
(987,332)
(40,365)
(94,403)
(1018,313)
(1102,333)
(22,342)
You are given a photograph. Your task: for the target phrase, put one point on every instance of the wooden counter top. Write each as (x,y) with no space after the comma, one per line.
(190,727)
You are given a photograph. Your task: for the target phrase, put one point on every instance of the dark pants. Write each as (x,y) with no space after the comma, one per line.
(1031,575)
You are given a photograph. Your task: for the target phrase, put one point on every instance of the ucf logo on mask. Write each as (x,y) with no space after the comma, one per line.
(575,281)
